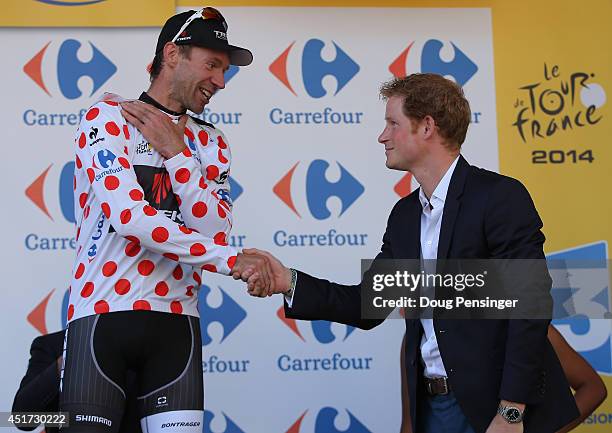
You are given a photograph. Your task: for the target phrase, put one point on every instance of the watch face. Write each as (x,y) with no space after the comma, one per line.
(513,414)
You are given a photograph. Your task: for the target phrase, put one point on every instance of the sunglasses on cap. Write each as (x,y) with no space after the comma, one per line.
(207,13)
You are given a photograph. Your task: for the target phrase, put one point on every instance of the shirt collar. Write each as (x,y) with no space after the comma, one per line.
(439,194)
(145,97)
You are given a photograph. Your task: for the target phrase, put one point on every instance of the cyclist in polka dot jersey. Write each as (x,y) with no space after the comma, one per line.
(153,211)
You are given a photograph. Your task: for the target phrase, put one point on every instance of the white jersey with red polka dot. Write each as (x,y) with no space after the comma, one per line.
(146,226)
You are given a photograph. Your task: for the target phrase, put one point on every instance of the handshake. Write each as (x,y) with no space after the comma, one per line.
(264,274)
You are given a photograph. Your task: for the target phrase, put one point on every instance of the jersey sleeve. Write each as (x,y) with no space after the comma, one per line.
(114,184)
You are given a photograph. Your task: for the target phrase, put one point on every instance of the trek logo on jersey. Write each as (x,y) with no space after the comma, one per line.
(325,422)
(578,290)
(427,58)
(38,193)
(314,68)
(229,314)
(318,189)
(69,69)
(230,425)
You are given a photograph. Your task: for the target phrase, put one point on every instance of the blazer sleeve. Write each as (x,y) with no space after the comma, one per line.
(320,299)
(513,231)
(39,388)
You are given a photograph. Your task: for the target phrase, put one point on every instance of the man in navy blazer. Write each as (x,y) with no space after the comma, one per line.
(464,376)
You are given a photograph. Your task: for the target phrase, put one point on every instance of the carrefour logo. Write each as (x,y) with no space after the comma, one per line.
(430,57)
(312,191)
(323,334)
(39,317)
(321,329)
(64,191)
(69,69)
(314,68)
(318,189)
(325,422)
(229,314)
(230,425)
(592,338)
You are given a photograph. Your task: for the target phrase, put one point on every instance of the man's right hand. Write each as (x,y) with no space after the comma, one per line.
(256,271)
(281,275)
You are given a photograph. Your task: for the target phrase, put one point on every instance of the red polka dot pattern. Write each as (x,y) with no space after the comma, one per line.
(109,269)
(160,234)
(111,183)
(162,289)
(197,249)
(112,128)
(203,136)
(101,307)
(122,286)
(80,271)
(222,159)
(132,249)
(124,162)
(212,172)
(178,273)
(145,268)
(220,239)
(189,134)
(182,175)
(87,290)
(149,210)
(185,230)
(176,307)
(92,114)
(209,268)
(141,304)
(126,216)
(136,195)
(171,256)
(199,209)
(83,200)
(82,140)
(106,210)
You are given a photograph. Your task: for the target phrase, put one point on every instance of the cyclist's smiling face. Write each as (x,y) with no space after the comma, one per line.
(198,75)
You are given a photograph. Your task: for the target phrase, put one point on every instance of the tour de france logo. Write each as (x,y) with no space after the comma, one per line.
(560,101)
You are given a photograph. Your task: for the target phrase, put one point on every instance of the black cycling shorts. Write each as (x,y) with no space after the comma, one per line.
(163,350)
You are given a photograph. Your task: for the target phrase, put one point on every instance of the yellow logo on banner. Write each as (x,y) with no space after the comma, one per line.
(86,13)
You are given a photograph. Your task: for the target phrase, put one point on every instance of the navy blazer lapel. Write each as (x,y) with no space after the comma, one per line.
(409,242)
(451,206)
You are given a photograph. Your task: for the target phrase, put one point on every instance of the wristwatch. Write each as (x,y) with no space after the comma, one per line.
(511,414)
(289,293)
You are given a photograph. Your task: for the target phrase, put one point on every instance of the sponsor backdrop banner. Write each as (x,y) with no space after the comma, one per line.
(308,181)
